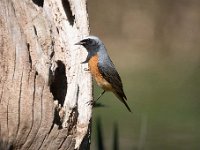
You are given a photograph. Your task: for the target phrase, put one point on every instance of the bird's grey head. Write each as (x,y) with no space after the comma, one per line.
(91,43)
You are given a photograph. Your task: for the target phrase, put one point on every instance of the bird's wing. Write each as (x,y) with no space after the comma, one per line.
(111,75)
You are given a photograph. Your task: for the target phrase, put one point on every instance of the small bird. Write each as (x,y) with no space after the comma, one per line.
(102,68)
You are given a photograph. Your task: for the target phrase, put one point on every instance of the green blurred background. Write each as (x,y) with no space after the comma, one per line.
(155,45)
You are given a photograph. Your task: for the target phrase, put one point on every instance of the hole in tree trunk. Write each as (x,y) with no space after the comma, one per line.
(68,11)
(59,84)
(39,2)
(59,89)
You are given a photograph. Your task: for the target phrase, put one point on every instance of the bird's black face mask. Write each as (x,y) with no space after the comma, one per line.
(89,44)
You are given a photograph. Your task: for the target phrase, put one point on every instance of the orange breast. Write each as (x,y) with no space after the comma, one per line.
(97,75)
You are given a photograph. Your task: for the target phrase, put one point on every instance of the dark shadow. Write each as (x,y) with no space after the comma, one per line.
(59,85)
(40,3)
(58,89)
(57,120)
(68,11)
(115,137)
(4,145)
(84,143)
(99,140)
(29,55)
(35,30)
(97,105)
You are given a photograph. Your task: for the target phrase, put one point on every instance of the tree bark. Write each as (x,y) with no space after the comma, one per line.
(44,88)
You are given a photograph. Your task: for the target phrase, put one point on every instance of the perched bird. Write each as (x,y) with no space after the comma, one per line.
(102,68)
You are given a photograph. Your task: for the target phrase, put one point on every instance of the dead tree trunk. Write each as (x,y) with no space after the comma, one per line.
(44,89)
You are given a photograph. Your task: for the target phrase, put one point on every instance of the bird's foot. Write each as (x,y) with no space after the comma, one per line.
(86,69)
(92,103)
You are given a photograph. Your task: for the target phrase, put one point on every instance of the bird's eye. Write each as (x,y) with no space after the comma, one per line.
(89,41)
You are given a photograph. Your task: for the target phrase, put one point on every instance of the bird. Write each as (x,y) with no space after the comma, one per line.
(102,68)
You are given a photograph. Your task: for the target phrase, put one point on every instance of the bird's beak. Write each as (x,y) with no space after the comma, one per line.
(80,43)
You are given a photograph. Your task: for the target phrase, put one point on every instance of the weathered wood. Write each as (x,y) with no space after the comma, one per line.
(44,89)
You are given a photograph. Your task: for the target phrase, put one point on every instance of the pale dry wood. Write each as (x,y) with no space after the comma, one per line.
(44,89)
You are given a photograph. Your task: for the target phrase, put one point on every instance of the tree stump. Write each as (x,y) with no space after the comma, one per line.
(44,89)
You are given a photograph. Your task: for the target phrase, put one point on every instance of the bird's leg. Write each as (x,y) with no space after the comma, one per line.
(93,102)
(100,95)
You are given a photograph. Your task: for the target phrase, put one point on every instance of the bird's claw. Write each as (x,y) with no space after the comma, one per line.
(86,69)
(91,103)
